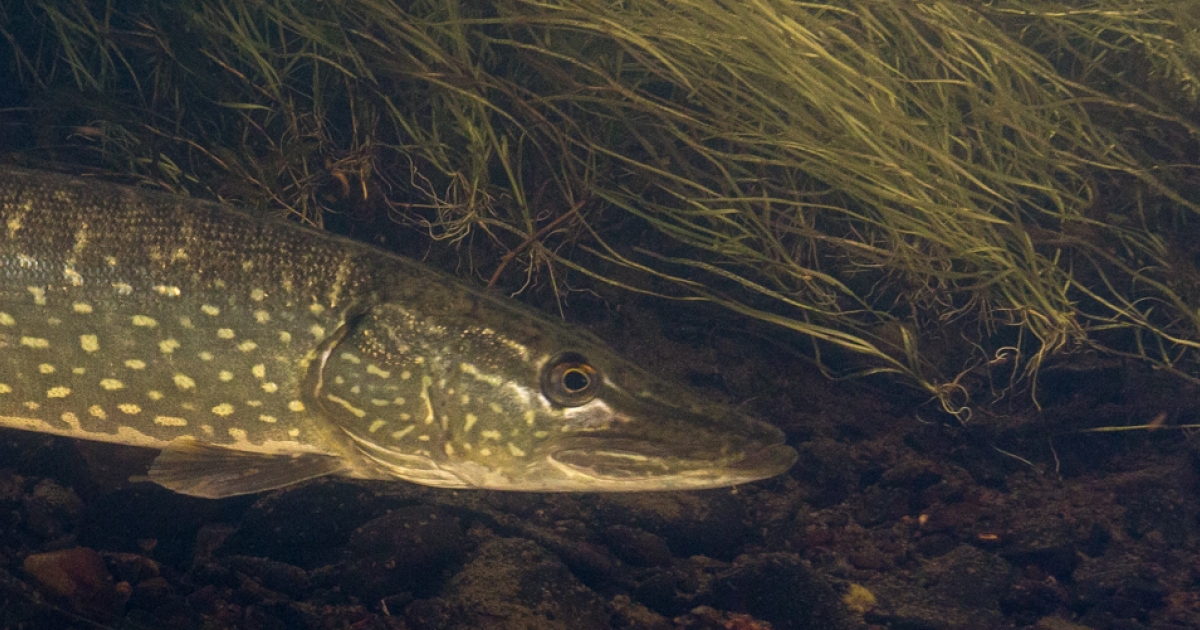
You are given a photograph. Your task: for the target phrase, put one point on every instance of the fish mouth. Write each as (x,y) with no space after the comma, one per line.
(678,450)
(633,465)
(773,459)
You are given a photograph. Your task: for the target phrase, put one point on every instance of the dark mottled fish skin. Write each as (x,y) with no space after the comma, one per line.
(257,353)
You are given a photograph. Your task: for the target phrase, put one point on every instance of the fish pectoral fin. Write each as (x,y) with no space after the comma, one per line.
(216,472)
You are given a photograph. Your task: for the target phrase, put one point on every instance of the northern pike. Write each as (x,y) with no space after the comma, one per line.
(255,353)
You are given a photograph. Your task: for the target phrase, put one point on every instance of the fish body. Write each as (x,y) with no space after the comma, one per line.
(256,353)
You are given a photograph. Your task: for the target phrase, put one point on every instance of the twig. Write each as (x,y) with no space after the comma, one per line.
(529,241)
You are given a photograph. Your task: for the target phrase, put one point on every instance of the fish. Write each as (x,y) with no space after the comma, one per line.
(255,353)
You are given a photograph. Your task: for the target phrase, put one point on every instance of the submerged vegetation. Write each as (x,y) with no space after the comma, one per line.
(952,192)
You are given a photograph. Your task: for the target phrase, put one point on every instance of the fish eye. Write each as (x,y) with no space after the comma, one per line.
(569,380)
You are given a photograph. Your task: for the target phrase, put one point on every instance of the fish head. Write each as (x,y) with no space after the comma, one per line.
(525,403)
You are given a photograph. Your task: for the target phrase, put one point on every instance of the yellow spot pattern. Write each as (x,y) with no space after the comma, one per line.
(72,277)
(373,369)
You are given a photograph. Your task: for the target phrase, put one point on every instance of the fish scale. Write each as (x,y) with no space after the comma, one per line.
(256,353)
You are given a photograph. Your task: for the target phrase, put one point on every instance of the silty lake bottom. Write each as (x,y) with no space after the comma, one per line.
(894,517)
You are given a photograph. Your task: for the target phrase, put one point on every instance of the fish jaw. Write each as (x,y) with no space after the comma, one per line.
(654,446)
(624,457)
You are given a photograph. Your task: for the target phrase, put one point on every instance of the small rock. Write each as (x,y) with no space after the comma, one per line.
(152,593)
(131,567)
(935,545)
(868,559)
(78,578)
(782,589)
(827,469)
(1058,623)
(1047,545)
(968,577)
(914,475)
(708,618)
(52,510)
(408,548)
(632,615)
(304,525)
(680,587)
(637,547)
(693,523)
(514,584)
(877,505)
(276,576)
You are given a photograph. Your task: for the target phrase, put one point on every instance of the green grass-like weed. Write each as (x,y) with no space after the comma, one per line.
(952,192)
